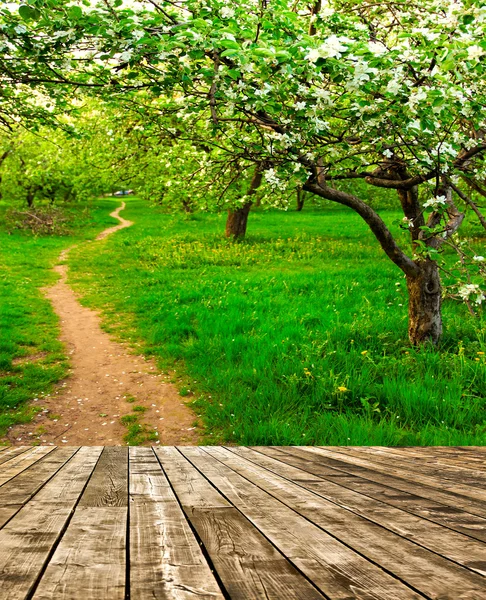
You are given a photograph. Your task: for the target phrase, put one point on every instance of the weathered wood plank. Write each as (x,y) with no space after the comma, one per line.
(399,479)
(109,484)
(16,465)
(27,540)
(454,546)
(166,560)
(335,569)
(16,492)
(455,519)
(455,474)
(89,562)
(437,456)
(9,453)
(249,567)
(425,571)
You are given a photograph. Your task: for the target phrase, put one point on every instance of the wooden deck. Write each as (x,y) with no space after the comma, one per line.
(268,523)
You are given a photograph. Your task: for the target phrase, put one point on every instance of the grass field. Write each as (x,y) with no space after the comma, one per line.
(31,357)
(298,335)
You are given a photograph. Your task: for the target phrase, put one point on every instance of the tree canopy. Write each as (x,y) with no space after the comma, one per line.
(284,94)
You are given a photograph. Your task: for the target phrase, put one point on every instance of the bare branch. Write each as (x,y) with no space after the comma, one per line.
(470,203)
(374,221)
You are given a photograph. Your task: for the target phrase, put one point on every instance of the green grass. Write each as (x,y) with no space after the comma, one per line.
(137,433)
(31,357)
(298,335)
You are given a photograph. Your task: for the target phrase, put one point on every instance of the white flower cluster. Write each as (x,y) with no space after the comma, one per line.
(469,290)
(478,258)
(436,202)
(333,47)
(227,13)
(273,179)
(475,52)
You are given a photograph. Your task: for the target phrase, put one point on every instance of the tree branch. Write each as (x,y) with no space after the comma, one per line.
(374,221)
(470,203)
(394,184)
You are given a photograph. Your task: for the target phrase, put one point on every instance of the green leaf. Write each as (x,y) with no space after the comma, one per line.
(468,19)
(229,44)
(229,53)
(263,52)
(29,13)
(75,12)
(283,55)
(200,23)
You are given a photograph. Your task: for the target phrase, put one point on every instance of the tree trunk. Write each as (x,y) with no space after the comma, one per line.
(424,307)
(187,206)
(300,199)
(237,221)
(30,198)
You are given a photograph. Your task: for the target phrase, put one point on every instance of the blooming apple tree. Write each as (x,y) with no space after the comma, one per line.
(311,96)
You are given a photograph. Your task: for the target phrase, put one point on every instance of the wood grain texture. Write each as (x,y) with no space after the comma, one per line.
(249,566)
(9,453)
(16,465)
(27,540)
(166,561)
(336,570)
(108,486)
(452,518)
(263,523)
(16,492)
(425,487)
(89,562)
(449,457)
(451,545)
(448,473)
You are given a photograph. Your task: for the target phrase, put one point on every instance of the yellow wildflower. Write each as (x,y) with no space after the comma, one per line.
(341,388)
(364,353)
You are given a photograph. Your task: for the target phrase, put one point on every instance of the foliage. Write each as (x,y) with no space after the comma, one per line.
(291,336)
(388,93)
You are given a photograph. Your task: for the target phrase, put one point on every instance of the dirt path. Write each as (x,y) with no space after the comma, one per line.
(105,383)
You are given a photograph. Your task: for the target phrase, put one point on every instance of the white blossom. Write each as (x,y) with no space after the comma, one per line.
(376,48)
(393,87)
(126,56)
(469,290)
(137,34)
(474,52)
(313,55)
(333,47)
(436,202)
(227,13)
(326,10)
(273,180)
(478,258)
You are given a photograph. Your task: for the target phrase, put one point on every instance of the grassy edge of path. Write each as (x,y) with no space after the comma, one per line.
(32,359)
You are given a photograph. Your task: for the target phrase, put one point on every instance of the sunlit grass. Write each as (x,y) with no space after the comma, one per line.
(296,335)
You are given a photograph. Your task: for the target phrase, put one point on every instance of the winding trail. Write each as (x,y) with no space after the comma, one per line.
(106,381)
